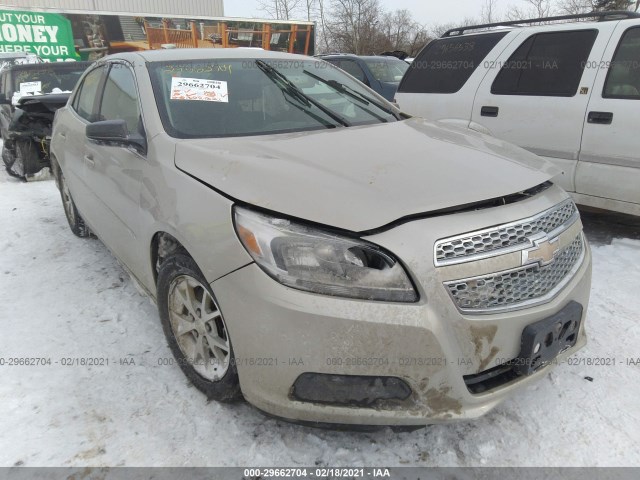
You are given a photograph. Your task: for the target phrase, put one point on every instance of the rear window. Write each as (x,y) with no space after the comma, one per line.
(387,70)
(445,65)
(48,76)
(546,64)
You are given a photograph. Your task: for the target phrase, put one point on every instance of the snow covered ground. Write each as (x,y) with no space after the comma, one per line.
(64,297)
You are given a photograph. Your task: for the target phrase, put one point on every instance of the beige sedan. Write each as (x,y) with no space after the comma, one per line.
(314,250)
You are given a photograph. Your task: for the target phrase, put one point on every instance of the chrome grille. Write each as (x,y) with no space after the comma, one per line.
(530,284)
(503,238)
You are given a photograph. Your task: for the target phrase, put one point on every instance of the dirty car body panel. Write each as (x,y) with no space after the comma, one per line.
(477,242)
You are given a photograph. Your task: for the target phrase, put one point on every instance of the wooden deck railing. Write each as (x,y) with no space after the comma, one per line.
(180,38)
(225,37)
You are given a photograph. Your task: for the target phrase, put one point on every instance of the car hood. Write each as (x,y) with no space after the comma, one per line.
(362,178)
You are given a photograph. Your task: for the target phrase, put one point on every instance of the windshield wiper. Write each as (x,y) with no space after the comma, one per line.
(292,89)
(353,94)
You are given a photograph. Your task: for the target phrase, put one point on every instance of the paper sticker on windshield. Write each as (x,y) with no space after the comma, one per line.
(30,87)
(199,89)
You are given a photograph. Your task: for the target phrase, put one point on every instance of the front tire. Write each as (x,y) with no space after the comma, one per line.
(195,329)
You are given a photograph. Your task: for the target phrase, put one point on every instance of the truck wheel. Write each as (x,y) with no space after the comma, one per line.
(195,329)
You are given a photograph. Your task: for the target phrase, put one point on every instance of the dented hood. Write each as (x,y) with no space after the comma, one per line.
(361,178)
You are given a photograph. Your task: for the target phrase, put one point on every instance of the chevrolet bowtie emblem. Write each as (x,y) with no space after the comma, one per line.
(543,252)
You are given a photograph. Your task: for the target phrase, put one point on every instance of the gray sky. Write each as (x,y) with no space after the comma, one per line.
(429,12)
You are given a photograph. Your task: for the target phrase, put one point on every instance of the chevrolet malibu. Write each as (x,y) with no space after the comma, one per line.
(314,250)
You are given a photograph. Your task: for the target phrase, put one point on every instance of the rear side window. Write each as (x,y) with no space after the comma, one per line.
(623,79)
(546,64)
(445,65)
(86,97)
(352,68)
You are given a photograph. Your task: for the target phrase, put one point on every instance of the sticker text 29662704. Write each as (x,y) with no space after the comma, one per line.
(199,89)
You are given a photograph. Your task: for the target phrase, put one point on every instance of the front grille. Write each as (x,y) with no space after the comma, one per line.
(520,287)
(497,240)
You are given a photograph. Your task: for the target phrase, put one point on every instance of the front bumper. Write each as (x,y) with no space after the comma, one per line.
(279,334)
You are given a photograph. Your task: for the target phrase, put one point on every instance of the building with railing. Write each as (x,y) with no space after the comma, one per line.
(99,27)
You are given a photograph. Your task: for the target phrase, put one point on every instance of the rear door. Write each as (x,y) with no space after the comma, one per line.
(609,165)
(69,140)
(537,97)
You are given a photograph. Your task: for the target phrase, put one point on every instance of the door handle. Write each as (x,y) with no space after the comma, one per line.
(90,161)
(62,134)
(489,111)
(600,118)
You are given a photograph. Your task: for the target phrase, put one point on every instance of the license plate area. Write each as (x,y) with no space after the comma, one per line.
(543,341)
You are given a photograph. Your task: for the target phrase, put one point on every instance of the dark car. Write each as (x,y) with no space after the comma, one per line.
(26,115)
(381,73)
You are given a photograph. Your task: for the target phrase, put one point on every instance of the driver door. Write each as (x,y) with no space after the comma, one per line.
(113,173)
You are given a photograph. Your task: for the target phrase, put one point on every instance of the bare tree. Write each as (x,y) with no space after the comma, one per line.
(586,6)
(488,13)
(280,9)
(353,26)
(439,29)
(324,31)
(542,8)
(575,7)
(535,9)
(603,5)
(399,31)
(310,7)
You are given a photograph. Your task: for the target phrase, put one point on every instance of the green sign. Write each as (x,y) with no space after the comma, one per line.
(47,35)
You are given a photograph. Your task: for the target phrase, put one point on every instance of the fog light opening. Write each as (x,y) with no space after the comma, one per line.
(349,390)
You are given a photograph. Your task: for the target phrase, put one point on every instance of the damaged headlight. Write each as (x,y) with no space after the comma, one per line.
(310,259)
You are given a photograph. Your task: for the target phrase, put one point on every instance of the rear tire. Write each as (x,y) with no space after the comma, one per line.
(76,222)
(195,329)
(9,159)
(27,158)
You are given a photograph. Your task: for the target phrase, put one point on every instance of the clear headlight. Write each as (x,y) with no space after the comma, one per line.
(318,261)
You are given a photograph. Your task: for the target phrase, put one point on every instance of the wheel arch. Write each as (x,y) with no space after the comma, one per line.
(164,244)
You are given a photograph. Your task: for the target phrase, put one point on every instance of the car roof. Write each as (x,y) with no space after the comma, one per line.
(181,54)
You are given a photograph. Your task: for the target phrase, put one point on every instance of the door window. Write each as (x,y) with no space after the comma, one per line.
(353,69)
(623,79)
(85,99)
(120,98)
(546,64)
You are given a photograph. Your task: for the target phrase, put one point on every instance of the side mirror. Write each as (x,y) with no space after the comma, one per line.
(114,132)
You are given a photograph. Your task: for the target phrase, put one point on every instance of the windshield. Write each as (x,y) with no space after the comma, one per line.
(387,70)
(224,98)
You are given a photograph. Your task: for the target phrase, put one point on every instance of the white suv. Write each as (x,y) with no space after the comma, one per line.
(569,92)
